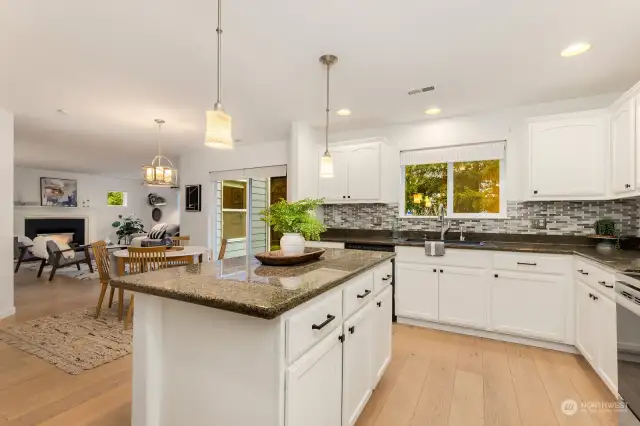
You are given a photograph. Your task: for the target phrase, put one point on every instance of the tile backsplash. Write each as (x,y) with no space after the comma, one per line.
(563,217)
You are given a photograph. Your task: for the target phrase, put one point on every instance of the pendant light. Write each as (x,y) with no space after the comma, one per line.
(218,131)
(326,163)
(159,173)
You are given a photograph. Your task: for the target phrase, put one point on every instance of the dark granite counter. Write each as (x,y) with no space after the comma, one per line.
(245,286)
(620,260)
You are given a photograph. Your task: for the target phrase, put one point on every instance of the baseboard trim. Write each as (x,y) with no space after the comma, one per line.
(562,347)
(8,312)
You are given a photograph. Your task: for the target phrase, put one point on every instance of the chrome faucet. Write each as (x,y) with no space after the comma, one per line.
(444,227)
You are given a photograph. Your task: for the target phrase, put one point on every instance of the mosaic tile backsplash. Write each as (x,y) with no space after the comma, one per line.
(563,218)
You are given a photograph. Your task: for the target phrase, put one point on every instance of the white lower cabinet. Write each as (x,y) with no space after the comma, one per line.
(596,336)
(357,360)
(381,341)
(314,385)
(462,296)
(417,291)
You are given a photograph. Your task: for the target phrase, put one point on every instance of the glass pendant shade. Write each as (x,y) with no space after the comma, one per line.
(326,166)
(218,132)
(156,174)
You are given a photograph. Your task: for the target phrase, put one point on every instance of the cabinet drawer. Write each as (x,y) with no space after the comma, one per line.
(382,277)
(357,293)
(305,328)
(526,262)
(594,276)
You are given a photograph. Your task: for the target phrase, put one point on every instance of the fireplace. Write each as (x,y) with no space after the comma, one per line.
(72,229)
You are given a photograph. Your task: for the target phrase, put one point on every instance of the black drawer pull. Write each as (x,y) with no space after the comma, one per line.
(379,304)
(365,294)
(352,329)
(583,272)
(324,323)
(604,284)
(385,278)
(442,271)
(527,263)
(435,270)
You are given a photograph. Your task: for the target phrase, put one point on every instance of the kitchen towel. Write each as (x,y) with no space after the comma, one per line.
(434,248)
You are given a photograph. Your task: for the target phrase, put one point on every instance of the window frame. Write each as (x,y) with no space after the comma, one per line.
(449,210)
(245,210)
(125,199)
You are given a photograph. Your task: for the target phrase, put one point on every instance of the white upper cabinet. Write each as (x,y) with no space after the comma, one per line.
(568,156)
(623,147)
(364,172)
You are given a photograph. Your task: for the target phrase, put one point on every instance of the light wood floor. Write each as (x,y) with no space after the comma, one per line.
(434,379)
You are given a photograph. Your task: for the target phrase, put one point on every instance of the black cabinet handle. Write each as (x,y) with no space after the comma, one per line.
(591,295)
(527,263)
(595,297)
(348,196)
(535,192)
(352,329)
(344,196)
(388,275)
(385,278)
(435,270)
(604,284)
(495,275)
(583,272)
(365,294)
(341,338)
(379,304)
(441,271)
(324,323)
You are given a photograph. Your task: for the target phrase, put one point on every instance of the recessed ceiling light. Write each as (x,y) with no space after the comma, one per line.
(63,111)
(575,49)
(433,111)
(344,112)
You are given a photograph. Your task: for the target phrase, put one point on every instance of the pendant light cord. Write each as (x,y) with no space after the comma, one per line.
(160,123)
(219,33)
(326,127)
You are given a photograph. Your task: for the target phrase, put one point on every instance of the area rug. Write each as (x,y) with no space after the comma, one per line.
(69,271)
(74,341)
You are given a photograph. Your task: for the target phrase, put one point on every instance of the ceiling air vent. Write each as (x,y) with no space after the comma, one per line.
(421,90)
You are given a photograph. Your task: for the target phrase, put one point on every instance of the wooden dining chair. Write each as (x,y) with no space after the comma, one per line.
(181,241)
(142,259)
(103,261)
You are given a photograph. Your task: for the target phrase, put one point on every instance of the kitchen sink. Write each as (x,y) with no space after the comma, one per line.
(446,242)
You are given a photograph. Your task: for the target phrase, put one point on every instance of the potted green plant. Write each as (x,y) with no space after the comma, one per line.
(126,226)
(605,231)
(296,222)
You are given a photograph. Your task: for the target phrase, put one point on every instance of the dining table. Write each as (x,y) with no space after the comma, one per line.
(186,255)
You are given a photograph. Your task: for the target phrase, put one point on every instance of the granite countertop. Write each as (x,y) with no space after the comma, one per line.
(245,286)
(620,260)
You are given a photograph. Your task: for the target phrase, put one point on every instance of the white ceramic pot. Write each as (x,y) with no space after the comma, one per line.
(292,244)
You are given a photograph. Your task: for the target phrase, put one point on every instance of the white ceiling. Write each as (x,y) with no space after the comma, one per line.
(116,65)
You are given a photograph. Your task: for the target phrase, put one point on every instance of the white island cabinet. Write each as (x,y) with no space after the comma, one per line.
(240,344)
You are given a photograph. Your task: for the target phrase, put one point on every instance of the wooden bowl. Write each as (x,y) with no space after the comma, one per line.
(277,258)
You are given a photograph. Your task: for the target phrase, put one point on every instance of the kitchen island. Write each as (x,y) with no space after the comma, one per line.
(238,343)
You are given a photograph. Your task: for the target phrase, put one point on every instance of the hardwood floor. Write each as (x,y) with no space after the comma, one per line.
(434,378)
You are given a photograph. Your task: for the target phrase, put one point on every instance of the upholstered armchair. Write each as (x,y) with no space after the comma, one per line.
(57,259)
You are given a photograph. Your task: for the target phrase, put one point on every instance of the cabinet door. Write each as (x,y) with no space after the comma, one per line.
(314,385)
(417,291)
(363,181)
(607,341)
(381,335)
(567,157)
(531,305)
(356,380)
(462,293)
(623,148)
(586,322)
(335,188)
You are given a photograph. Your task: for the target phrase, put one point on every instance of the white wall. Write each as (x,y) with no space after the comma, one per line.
(195,167)
(304,149)
(93,188)
(171,211)
(6,215)
(508,124)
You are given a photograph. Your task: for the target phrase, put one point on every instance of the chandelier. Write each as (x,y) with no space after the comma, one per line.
(161,171)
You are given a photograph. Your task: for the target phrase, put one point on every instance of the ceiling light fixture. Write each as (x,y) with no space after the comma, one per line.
(157,174)
(433,111)
(326,163)
(575,49)
(218,131)
(344,112)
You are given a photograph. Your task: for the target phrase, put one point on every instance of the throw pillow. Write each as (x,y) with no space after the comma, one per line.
(27,242)
(157,234)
